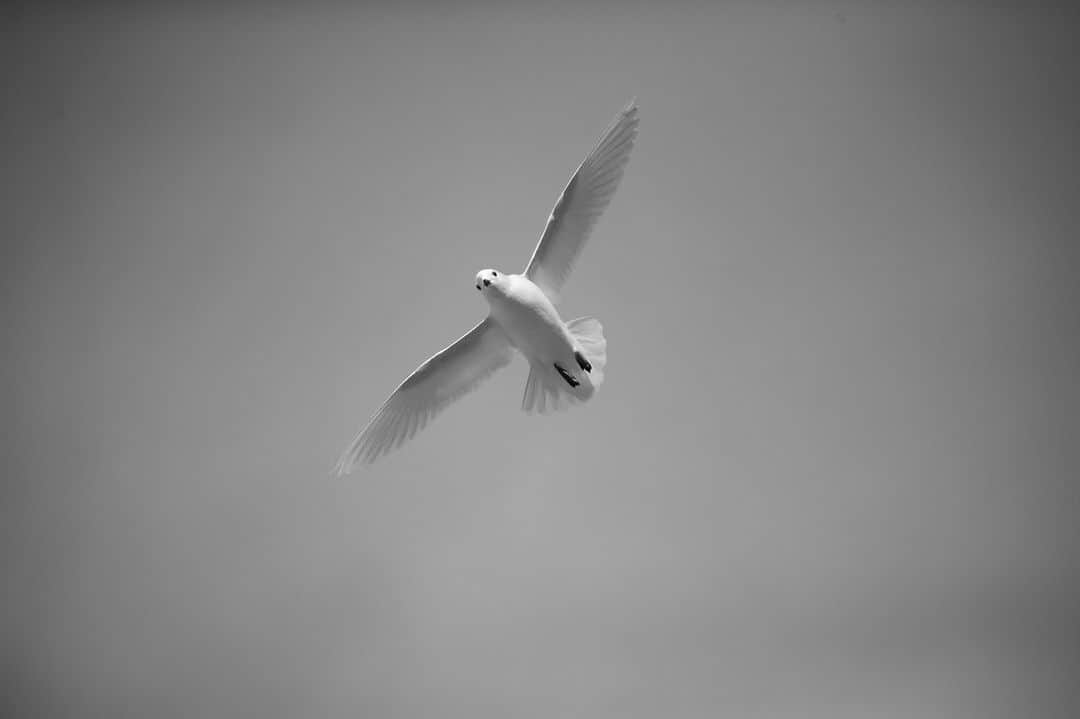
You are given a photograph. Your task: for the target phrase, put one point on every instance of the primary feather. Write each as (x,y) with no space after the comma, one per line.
(446,376)
(579,206)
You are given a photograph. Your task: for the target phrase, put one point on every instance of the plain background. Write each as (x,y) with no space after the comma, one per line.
(832,471)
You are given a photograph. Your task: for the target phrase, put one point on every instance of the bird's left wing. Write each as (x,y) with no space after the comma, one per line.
(581,203)
(446,376)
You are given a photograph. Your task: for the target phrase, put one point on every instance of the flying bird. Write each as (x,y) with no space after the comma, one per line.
(566,359)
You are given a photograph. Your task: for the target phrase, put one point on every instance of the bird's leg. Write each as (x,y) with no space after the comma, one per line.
(566,376)
(582,362)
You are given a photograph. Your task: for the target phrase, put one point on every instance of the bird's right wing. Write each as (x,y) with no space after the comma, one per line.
(581,203)
(446,376)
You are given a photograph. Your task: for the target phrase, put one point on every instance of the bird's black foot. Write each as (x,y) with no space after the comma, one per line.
(582,362)
(566,376)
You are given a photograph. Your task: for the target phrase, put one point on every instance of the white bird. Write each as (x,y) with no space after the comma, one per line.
(566,359)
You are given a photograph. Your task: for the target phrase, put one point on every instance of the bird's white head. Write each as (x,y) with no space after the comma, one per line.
(486,279)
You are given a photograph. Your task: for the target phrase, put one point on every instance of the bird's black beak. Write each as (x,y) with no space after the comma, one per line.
(487,282)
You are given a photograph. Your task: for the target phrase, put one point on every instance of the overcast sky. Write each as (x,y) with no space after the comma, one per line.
(831,472)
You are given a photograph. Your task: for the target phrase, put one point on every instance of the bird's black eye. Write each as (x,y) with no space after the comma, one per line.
(494,273)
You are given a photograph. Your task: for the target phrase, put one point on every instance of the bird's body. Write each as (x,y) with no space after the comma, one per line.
(530,320)
(532,325)
(527,316)
(566,359)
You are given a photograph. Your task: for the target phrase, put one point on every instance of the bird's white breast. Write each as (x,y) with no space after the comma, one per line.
(529,319)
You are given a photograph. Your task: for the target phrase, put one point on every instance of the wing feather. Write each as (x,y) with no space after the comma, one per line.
(434,385)
(581,203)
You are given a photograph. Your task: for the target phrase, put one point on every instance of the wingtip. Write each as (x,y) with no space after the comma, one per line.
(629,117)
(347,464)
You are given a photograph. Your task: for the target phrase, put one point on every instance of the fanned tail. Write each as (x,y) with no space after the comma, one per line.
(589,333)
(546,390)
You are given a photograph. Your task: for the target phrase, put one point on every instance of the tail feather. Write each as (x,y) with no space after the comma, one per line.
(589,333)
(546,390)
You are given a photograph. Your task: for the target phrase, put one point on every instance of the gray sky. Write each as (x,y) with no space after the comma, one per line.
(831,471)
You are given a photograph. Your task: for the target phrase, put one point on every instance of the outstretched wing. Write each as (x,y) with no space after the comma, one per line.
(451,373)
(585,197)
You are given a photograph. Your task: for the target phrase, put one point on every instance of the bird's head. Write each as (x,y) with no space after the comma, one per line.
(486,279)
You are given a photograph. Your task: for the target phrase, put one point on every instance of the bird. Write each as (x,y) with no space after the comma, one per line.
(566,359)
